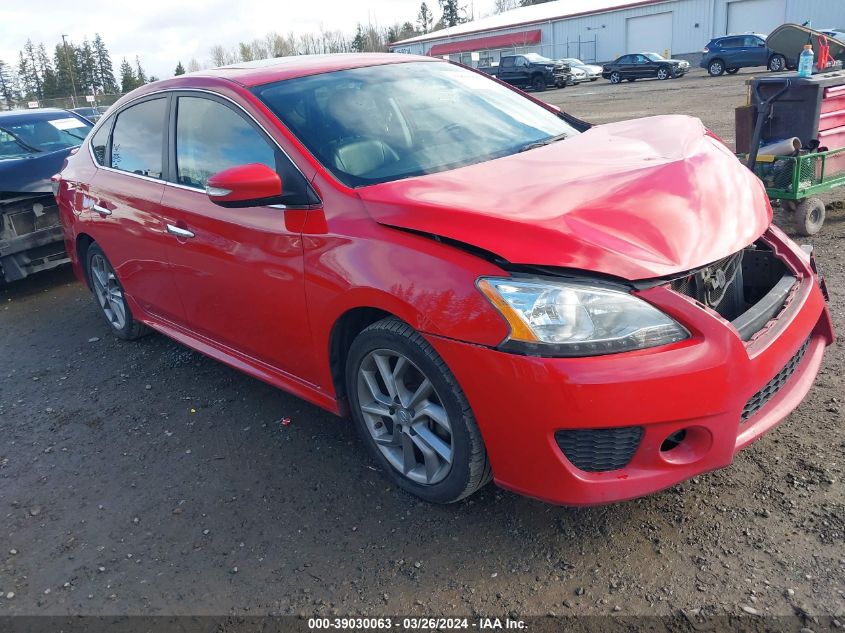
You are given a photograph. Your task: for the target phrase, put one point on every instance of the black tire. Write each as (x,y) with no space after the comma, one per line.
(632,79)
(732,71)
(777,63)
(664,73)
(538,83)
(809,216)
(469,469)
(127,328)
(615,77)
(716,68)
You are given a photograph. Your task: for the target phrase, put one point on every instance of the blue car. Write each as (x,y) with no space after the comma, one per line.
(730,53)
(33,147)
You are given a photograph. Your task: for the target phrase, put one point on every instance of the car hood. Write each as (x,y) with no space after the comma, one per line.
(635,199)
(31,173)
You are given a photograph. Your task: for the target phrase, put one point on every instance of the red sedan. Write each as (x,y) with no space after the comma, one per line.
(492,288)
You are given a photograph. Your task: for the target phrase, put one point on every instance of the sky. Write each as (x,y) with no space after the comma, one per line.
(163,32)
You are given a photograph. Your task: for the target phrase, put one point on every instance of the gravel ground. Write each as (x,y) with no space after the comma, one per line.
(144,478)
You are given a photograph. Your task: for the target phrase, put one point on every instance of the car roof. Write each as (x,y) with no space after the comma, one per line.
(264,71)
(41,114)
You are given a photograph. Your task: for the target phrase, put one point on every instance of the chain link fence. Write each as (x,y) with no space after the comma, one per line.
(70,102)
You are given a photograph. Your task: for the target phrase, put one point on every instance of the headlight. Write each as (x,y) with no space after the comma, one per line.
(571,319)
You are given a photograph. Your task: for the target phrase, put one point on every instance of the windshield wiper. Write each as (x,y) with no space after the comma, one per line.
(545,141)
(20,142)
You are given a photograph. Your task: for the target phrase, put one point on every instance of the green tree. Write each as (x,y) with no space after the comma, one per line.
(128,81)
(140,75)
(49,79)
(180,70)
(451,12)
(104,70)
(425,19)
(64,58)
(87,68)
(32,76)
(7,84)
(27,87)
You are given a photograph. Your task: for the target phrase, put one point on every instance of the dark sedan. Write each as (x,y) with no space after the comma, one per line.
(644,66)
(33,146)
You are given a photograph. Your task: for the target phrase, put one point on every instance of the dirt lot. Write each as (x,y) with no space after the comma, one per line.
(144,478)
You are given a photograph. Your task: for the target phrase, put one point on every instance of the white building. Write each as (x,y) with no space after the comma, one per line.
(601,30)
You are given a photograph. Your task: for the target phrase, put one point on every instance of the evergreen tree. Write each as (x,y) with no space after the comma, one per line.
(140,75)
(64,58)
(24,78)
(128,80)
(425,20)
(359,42)
(7,85)
(451,12)
(87,68)
(104,70)
(180,70)
(33,78)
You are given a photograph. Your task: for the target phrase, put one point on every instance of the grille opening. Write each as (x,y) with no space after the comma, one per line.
(759,399)
(747,288)
(673,441)
(600,450)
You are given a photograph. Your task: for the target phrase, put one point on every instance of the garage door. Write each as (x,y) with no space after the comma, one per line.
(652,33)
(755,16)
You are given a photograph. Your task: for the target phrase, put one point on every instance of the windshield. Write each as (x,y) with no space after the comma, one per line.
(654,57)
(537,59)
(383,123)
(20,136)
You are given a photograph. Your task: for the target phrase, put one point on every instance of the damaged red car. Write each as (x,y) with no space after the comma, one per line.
(491,288)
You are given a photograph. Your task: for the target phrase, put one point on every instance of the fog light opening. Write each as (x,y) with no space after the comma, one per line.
(673,441)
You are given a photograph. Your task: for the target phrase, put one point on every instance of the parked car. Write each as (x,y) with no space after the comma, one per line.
(644,66)
(593,71)
(491,287)
(579,76)
(838,34)
(33,146)
(530,71)
(729,54)
(92,114)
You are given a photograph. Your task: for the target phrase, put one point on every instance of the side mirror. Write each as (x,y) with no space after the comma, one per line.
(252,185)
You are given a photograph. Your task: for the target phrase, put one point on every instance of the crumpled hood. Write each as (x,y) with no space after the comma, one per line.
(635,199)
(31,174)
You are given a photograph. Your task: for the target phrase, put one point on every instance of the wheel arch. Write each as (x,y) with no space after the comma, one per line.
(83,243)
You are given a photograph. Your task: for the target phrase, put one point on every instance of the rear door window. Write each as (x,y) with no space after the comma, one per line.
(137,141)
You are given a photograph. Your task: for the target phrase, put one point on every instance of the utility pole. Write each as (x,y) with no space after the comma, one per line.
(70,70)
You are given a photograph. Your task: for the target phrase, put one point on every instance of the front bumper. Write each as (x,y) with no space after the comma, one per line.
(40,250)
(700,386)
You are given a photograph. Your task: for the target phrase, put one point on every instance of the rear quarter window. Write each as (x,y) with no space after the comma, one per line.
(138,138)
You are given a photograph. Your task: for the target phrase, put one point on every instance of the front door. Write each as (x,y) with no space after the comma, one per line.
(123,204)
(240,270)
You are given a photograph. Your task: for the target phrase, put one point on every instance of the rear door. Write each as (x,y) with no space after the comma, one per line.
(240,270)
(124,204)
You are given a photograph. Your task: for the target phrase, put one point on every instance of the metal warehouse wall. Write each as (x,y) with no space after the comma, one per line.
(694,23)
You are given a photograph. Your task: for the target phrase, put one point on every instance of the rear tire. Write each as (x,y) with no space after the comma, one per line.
(777,63)
(110,297)
(716,68)
(429,444)
(732,71)
(615,77)
(538,83)
(809,216)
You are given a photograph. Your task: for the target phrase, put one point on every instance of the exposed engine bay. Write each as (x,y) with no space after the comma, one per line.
(748,288)
(30,234)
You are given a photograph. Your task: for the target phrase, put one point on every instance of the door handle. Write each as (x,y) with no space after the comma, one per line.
(101,210)
(179,232)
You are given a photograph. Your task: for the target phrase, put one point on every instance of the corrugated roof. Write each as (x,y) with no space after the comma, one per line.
(528,15)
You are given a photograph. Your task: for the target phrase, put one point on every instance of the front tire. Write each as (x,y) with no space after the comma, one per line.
(777,63)
(412,414)
(108,292)
(664,73)
(716,68)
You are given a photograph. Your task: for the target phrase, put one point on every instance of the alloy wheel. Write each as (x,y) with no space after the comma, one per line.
(662,74)
(615,78)
(108,291)
(716,69)
(405,416)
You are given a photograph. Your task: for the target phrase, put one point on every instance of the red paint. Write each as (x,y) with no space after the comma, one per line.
(261,288)
(245,183)
(522,38)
